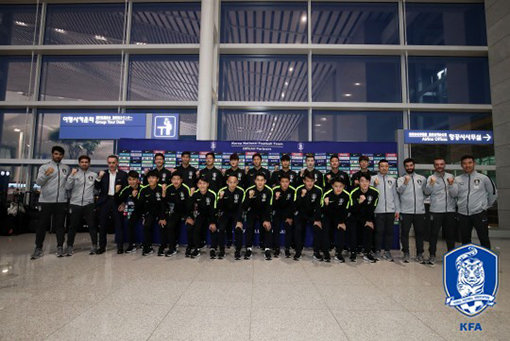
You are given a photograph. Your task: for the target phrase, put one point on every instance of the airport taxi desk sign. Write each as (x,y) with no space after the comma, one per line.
(165,126)
(448,137)
(102,126)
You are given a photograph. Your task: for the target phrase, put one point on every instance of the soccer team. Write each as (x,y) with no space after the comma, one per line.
(355,214)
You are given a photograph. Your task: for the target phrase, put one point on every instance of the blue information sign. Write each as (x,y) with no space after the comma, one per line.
(165,126)
(448,137)
(102,126)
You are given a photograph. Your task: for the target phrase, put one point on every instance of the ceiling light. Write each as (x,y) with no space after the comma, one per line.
(286,83)
(140,43)
(291,69)
(60,30)
(318,125)
(98,37)
(17,130)
(347,95)
(20,23)
(357,84)
(283,94)
(303,18)
(324,119)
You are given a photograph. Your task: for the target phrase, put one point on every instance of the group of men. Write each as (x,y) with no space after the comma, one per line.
(354,213)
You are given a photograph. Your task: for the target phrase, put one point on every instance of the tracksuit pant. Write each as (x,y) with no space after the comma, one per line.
(418,222)
(55,212)
(77,215)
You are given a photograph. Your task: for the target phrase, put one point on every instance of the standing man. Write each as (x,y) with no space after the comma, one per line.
(257,169)
(52,201)
(308,199)
(411,188)
(163,173)
(212,174)
(235,170)
(109,182)
(310,168)
(475,193)
(364,162)
(386,211)
(188,173)
(442,207)
(283,212)
(285,170)
(126,200)
(335,172)
(81,184)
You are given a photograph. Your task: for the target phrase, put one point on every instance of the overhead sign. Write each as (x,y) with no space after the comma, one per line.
(165,126)
(102,126)
(448,137)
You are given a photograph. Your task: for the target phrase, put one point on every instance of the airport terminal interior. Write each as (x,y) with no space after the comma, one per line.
(342,80)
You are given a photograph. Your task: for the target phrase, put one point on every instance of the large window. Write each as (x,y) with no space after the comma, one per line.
(168,23)
(449,80)
(262,125)
(18,24)
(356,79)
(354,23)
(85,24)
(264,78)
(48,135)
(78,78)
(264,22)
(356,126)
(15,81)
(15,131)
(445,24)
(163,77)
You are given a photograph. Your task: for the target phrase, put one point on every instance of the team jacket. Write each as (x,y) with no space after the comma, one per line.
(127,195)
(176,199)
(203,205)
(319,178)
(261,202)
(231,203)
(53,186)
(215,178)
(310,205)
(338,175)
(149,202)
(337,209)
(389,201)
(441,200)
(81,186)
(356,176)
(188,175)
(475,193)
(165,176)
(283,202)
(239,173)
(412,195)
(275,177)
(364,211)
(250,177)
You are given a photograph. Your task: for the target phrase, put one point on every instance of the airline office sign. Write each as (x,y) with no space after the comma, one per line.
(448,137)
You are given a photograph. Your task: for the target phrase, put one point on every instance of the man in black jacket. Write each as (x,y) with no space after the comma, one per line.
(108,183)
(236,171)
(285,170)
(257,169)
(164,174)
(211,174)
(188,173)
(283,212)
(126,200)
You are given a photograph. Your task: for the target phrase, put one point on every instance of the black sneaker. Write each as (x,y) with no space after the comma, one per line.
(327,258)
(212,254)
(247,254)
(120,251)
(188,252)
(170,253)
(267,253)
(340,258)
(131,249)
(195,253)
(368,257)
(229,244)
(287,253)
(237,255)
(318,257)
(221,254)
(147,251)
(101,250)
(276,253)
(297,256)
(353,257)
(161,252)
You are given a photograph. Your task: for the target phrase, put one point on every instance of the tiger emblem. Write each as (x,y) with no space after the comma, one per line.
(471,276)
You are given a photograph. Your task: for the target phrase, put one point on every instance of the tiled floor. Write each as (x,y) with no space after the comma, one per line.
(130,297)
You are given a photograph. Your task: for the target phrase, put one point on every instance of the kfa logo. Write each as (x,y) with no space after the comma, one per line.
(470,278)
(165,126)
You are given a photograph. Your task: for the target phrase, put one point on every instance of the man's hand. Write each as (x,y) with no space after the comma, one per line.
(326,200)
(246,169)
(288,221)
(432,180)
(222,193)
(162,222)
(407,178)
(190,221)
(192,191)
(122,207)
(49,171)
(376,181)
(342,226)
(328,176)
(267,225)
(397,215)
(251,193)
(100,175)
(370,224)
(362,198)
(118,188)
(450,181)
(134,193)
(277,195)
(74,171)
(212,227)
(318,223)
(239,225)
(303,192)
